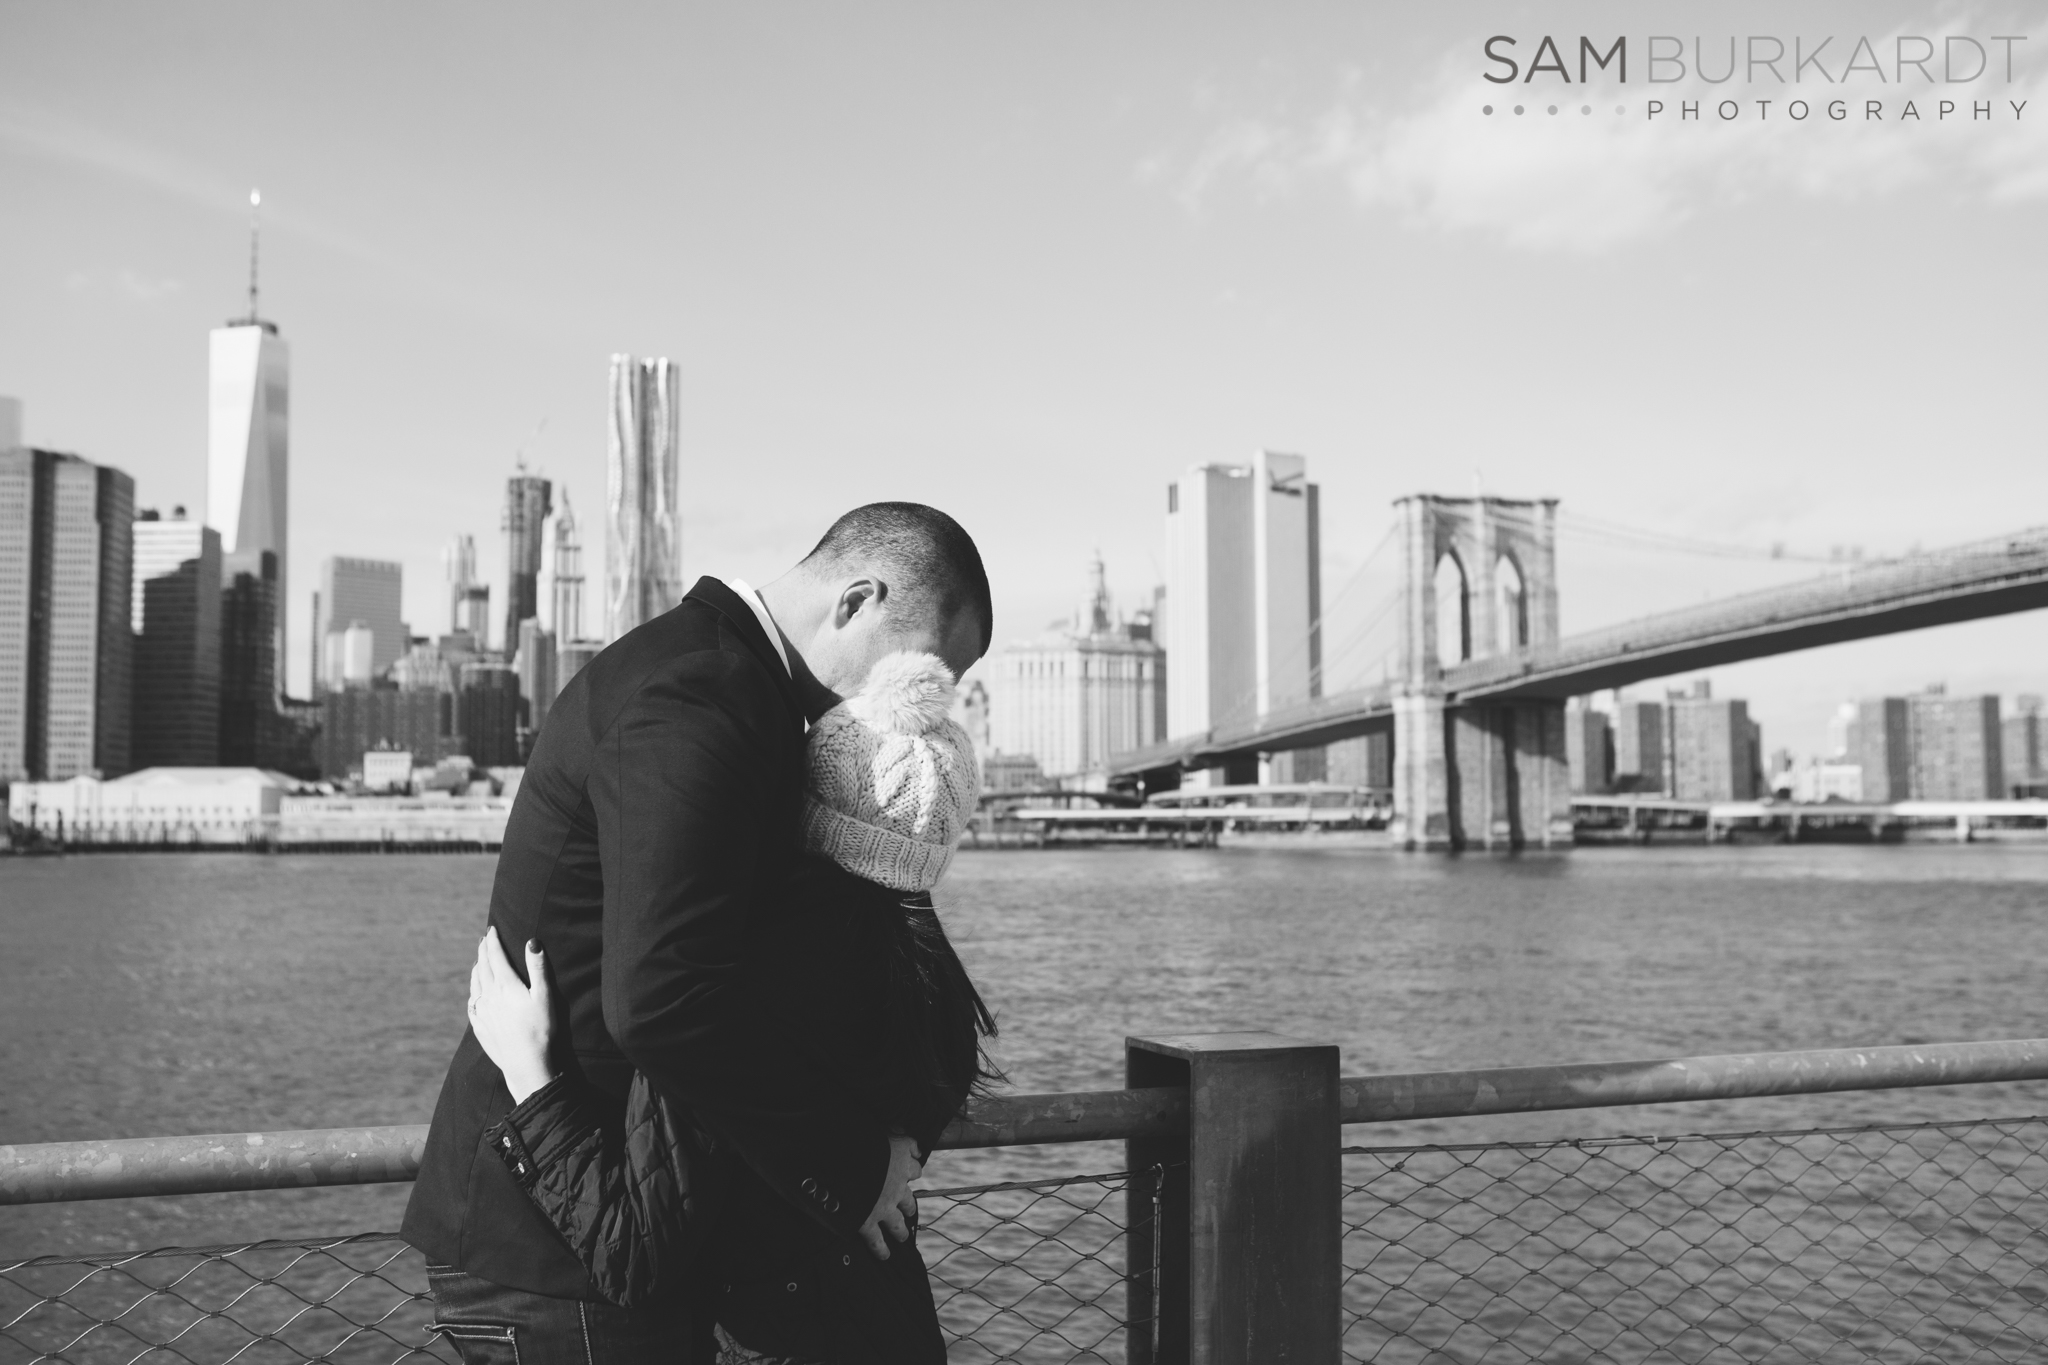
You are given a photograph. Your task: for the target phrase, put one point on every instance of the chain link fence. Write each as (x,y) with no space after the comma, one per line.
(1036,1271)
(1025,1272)
(355,1300)
(1908,1244)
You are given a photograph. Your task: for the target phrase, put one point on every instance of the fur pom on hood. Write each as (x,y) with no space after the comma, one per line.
(905,693)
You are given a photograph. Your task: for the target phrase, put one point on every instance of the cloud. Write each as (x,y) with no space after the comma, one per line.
(125,283)
(42,133)
(1584,181)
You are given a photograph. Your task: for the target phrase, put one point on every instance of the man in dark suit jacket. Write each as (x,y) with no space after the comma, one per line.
(657,815)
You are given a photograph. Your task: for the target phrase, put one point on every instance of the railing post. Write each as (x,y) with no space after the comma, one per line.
(1249,1223)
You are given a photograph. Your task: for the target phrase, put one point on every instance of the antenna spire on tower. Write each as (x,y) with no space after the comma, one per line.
(255,224)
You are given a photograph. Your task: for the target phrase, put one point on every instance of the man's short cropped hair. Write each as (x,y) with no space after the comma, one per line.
(929,558)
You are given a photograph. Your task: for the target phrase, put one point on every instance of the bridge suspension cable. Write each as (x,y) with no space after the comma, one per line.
(1583,527)
(1359,635)
(1247,704)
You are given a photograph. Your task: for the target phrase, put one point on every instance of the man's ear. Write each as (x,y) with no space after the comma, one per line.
(862,594)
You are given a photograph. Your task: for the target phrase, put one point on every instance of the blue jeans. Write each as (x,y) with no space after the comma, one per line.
(489,1324)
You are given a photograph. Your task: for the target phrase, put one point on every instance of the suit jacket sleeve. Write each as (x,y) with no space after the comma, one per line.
(688,793)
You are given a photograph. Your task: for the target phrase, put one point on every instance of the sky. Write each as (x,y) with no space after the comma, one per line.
(1029,263)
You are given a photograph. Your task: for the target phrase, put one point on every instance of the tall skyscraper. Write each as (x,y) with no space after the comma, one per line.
(469,602)
(177,645)
(570,657)
(161,545)
(489,713)
(370,591)
(535,665)
(1083,693)
(1209,586)
(66,555)
(643,530)
(17,554)
(247,464)
(526,512)
(561,585)
(1243,597)
(253,732)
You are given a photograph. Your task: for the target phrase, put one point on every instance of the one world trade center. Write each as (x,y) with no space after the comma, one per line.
(249,372)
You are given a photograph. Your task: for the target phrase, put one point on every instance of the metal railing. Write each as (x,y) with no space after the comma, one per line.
(1238,1220)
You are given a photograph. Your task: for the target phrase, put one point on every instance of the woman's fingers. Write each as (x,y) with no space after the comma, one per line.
(536,967)
(494,953)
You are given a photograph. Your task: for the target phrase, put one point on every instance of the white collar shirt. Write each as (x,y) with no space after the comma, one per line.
(752,598)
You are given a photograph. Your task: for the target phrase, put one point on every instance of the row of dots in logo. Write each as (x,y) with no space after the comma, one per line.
(1584,109)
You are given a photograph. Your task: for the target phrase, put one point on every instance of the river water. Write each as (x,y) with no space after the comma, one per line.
(156,994)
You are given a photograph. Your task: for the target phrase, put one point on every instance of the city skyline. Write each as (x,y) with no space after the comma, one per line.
(1298,236)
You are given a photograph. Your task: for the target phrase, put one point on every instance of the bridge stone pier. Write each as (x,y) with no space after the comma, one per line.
(1478,581)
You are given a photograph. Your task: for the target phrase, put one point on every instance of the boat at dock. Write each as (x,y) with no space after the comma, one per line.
(1192,817)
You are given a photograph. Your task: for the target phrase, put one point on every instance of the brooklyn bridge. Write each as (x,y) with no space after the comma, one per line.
(1475,695)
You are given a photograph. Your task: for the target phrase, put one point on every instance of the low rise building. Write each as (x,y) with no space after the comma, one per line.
(1715,750)
(1956,748)
(431,818)
(1005,773)
(388,770)
(155,805)
(1083,692)
(1821,781)
(358,720)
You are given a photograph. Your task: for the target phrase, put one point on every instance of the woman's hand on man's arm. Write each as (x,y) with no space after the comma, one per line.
(512,1019)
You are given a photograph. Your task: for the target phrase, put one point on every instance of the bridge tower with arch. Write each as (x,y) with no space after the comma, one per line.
(1478,581)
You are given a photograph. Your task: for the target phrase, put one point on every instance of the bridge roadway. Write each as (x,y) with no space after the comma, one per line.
(1858,601)
(1723,812)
